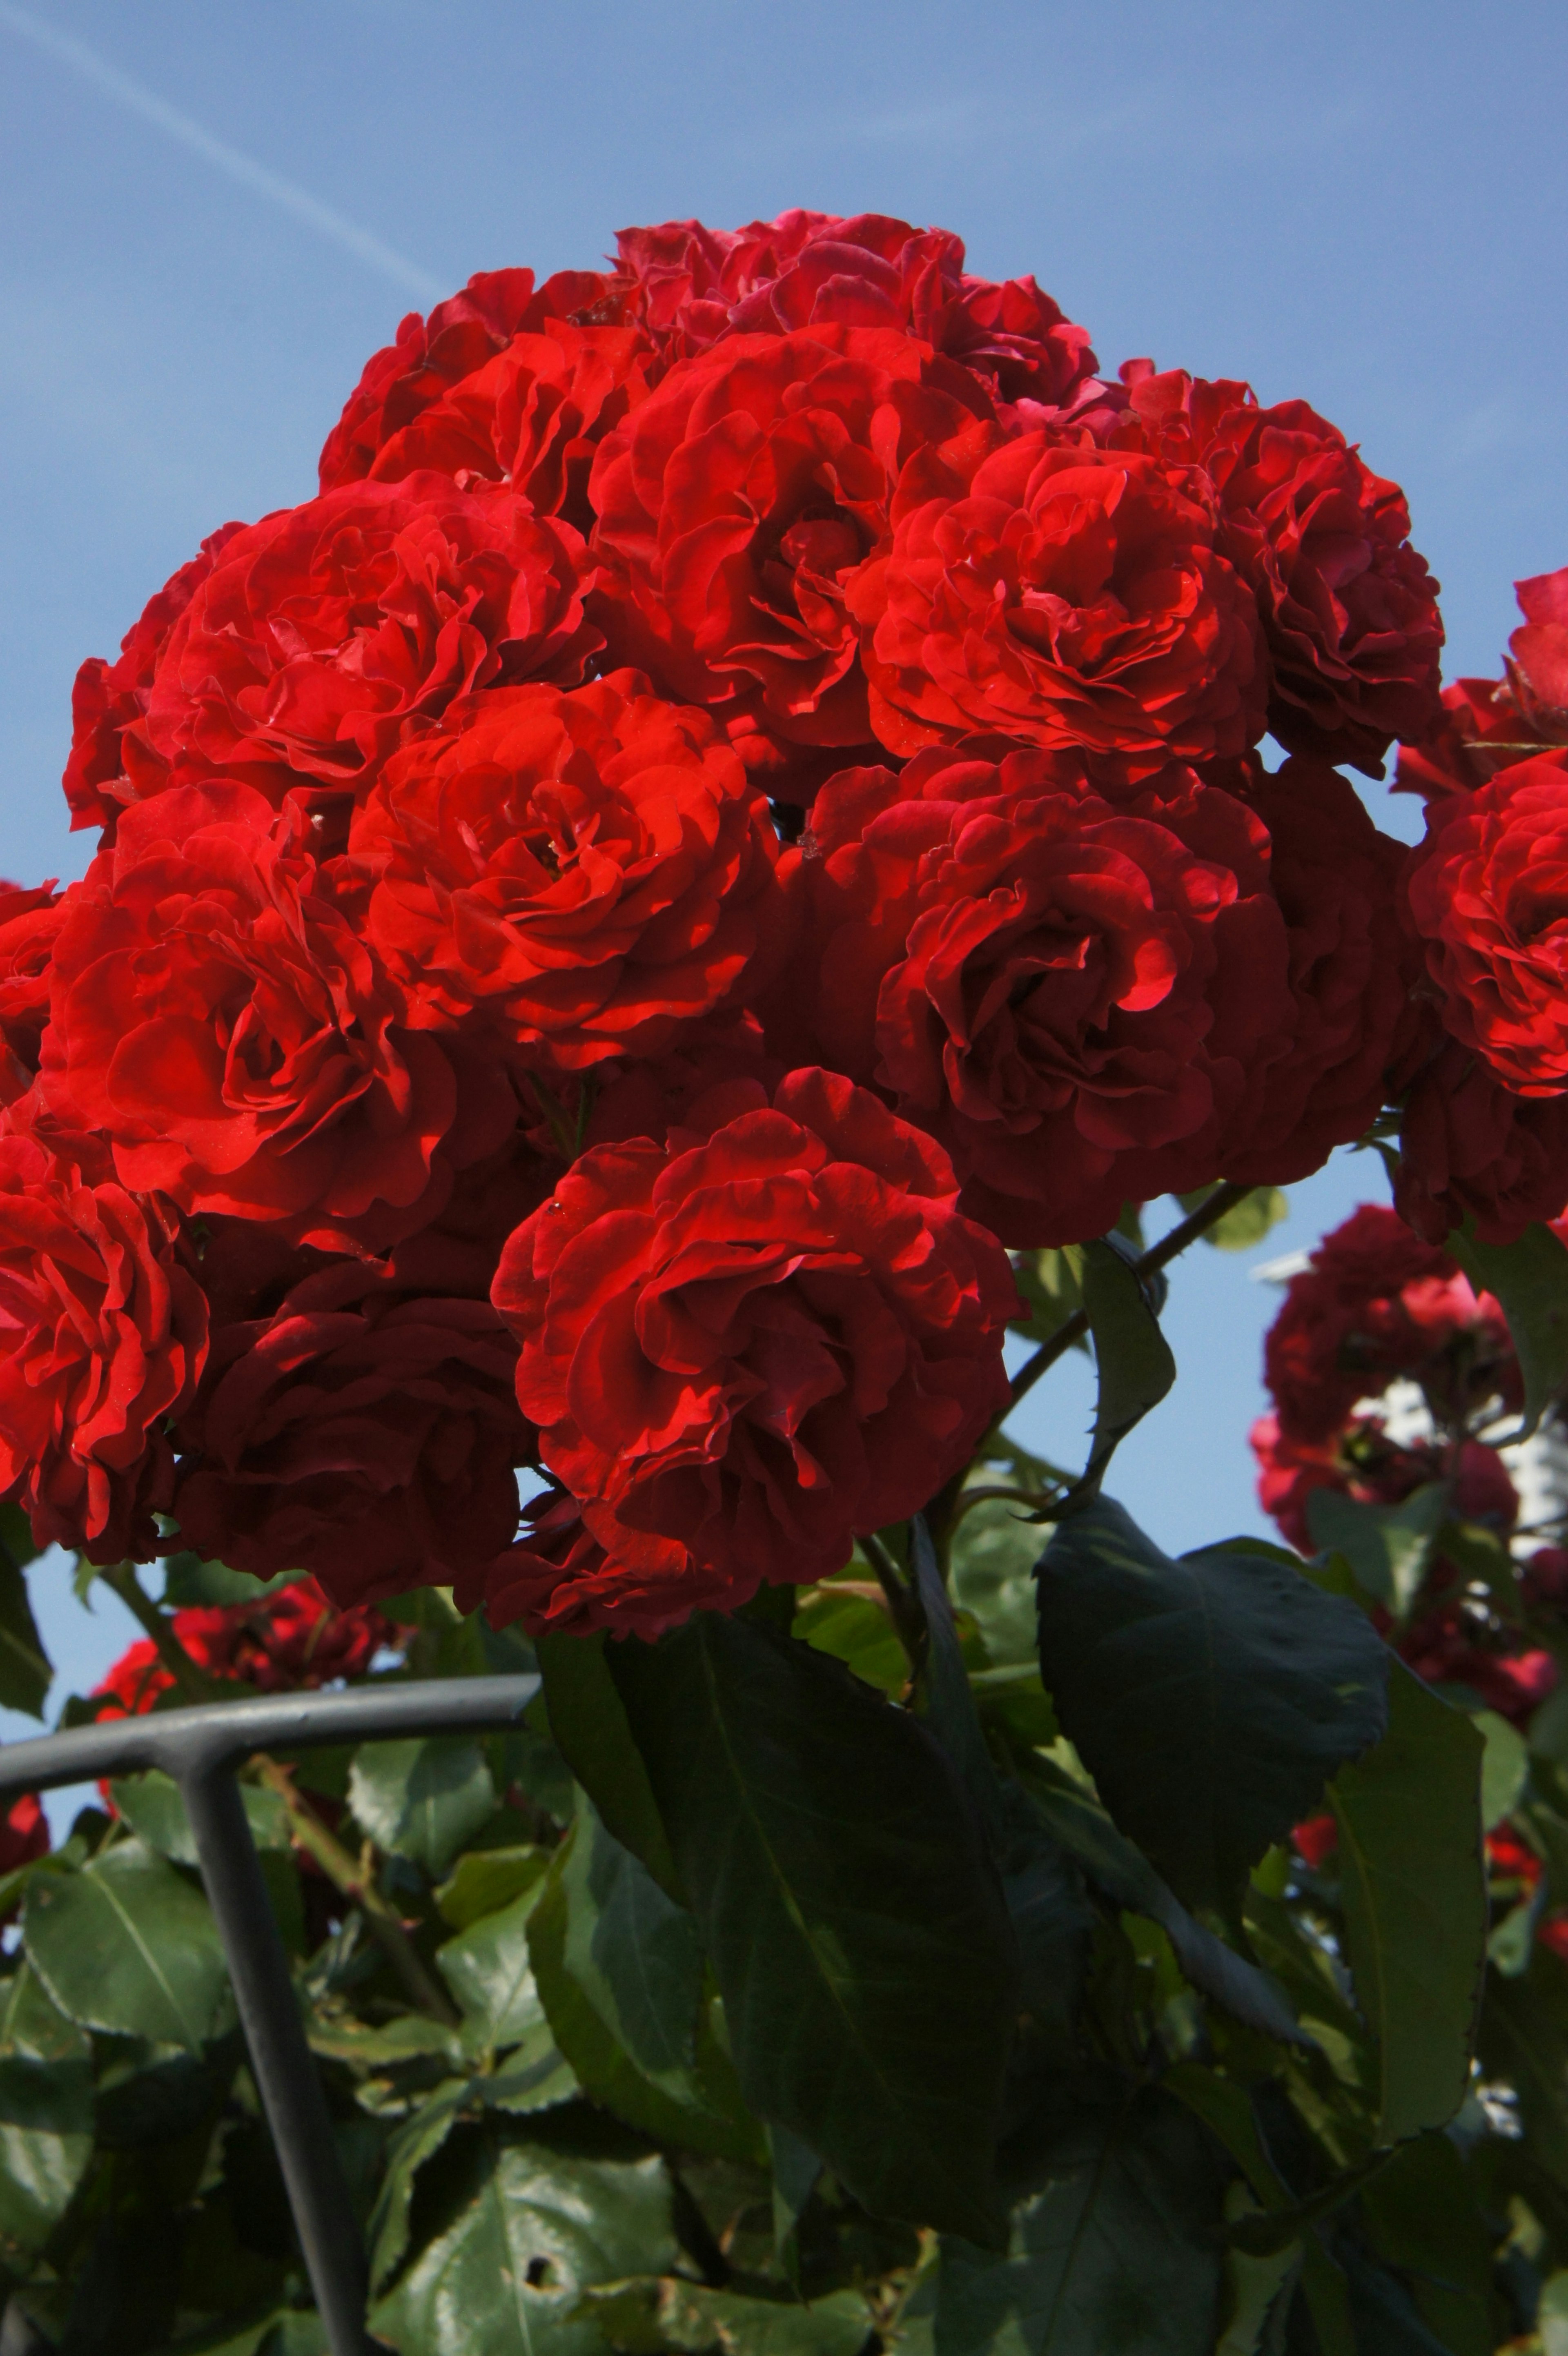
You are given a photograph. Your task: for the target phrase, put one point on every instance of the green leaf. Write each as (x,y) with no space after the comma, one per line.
(46,2122)
(994,1552)
(1414,1894)
(486,1879)
(26,1675)
(189,1580)
(1210,1698)
(152,1806)
(1528,1280)
(595,1979)
(487,1967)
(1388,1548)
(422,1799)
(406,2154)
(1552,2320)
(1250,1221)
(1505,1767)
(128,1946)
(1127,1877)
(1421,2215)
(1048,1281)
(853,1629)
(854,1924)
(1119,2250)
(534,2227)
(1134,1365)
(16,1537)
(588,1721)
(1524,2040)
(692,2320)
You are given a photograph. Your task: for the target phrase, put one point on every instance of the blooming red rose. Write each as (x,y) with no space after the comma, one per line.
(1317,1840)
(24,1837)
(216,1018)
(1073,997)
(1470,1147)
(582,869)
(1061,594)
(358,1432)
(108,697)
(294,1640)
(748,1343)
(1487,897)
(1505,1672)
(1374,1303)
(735,504)
(29,920)
(102,1336)
(692,286)
(1360,1461)
(326,636)
(431,356)
(1349,610)
(1489,724)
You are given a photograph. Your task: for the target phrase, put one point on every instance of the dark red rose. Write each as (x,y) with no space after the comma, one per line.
(1487,897)
(1470,1147)
(693,285)
(1544,1580)
(735,505)
(285,1642)
(582,870)
(1349,610)
(24,1835)
(328,635)
(1507,1673)
(1360,1461)
(102,1336)
(216,1018)
(1061,594)
(748,1343)
(1375,1303)
(360,1432)
(109,697)
(1486,725)
(1074,998)
(403,379)
(558,1578)
(29,920)
(1335,878)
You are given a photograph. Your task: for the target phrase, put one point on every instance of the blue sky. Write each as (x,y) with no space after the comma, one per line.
(208,218)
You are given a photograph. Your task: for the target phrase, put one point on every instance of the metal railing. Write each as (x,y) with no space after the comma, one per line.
(201,1747)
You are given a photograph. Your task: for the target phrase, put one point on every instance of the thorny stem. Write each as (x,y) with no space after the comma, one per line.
(903,1609)
(1196,1223)
(354,1878)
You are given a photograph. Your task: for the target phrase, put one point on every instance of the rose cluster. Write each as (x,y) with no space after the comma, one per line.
(1388,1372)
(737,804)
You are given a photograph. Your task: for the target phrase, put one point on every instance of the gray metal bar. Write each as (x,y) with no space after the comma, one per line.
(225,1732)
(286,2075)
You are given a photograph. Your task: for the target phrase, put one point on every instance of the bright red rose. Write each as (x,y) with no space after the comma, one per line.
(1470,1147)
(1487,897)
(109,697)
(1486,725)
(431,356)
(1061,594)
(1334,877)
(1375,1303)
(216,1018)
(361,1432)
(328,635)
(1349,610)
(24,1835)
(581,869)
(102,1336)
(558,1578)
(735,505)
(29,920)
(1074,998)
(693,285)
(1317,1840)
(748,1344)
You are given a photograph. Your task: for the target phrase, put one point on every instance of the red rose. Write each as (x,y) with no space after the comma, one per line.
(23,1835)
(1487,895)
(29,922)
(1360,1461)
(735,504)
(1375,1303)
(581,868)
(328,635)
(285,1642)
(1074,998)
(1317,1840)
(216,1019)
(1334,875)
(1486,725)
(1470,1147)
(1062,594)
(109,697)
(403,379)
(693,285)
(1449,1648)
(746,1344)
(557,1577)
(360,1432)
(102,1336)
(1349,610)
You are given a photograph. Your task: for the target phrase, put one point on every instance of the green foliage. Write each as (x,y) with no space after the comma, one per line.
(128,1945)
(1133,1361)
(1253,1218)
(24,1672)
(423,1800)
(1529,1281)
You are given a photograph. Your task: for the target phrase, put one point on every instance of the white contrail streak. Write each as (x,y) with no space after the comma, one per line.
(69,51)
